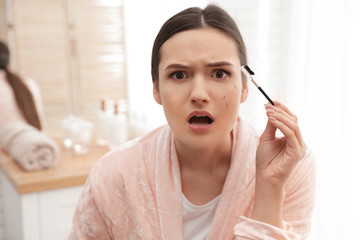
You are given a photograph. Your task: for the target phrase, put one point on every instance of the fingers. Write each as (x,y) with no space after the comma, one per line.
(284,108)
(283,119)
(280,108)
(269,132)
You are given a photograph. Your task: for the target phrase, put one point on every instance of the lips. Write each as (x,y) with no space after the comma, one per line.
(200,121)
(200,117)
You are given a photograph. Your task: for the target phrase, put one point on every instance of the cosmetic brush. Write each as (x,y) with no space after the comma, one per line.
(249,74)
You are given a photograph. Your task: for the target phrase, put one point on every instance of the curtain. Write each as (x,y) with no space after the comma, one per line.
(306,54)
(323,82)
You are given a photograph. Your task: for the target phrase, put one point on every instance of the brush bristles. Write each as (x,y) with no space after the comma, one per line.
(249,70)
(246,72)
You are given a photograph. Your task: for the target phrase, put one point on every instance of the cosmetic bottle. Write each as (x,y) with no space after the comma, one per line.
(119,124)
(102,123)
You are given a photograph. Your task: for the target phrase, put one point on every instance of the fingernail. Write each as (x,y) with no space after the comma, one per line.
(269,111)
(268,105)
(272,118)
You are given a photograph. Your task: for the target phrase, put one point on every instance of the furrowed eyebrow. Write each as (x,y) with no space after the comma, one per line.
(215,64)
(176,66)
(219,64)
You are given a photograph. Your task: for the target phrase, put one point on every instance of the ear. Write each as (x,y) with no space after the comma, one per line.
(244,92)
(156,92)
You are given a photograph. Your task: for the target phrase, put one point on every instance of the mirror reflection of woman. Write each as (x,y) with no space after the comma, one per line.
(207,174)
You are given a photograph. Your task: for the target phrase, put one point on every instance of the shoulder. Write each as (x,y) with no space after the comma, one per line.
(245,133)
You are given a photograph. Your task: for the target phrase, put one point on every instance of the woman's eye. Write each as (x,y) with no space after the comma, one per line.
(178,75)
(220,74)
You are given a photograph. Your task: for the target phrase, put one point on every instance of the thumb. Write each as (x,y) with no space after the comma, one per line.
(269,132)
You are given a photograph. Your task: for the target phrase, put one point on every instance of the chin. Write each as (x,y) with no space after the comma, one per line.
(202,141)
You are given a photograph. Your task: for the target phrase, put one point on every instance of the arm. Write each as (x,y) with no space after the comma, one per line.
(276,158)
(88,222)
(296,209)
(284,182)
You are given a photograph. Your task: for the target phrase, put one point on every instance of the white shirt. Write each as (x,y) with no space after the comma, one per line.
(197,219)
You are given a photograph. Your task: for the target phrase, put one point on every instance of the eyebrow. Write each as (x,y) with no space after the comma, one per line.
(219,64)
(214,64)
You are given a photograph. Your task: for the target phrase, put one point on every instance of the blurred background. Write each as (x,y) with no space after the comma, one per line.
(304,53)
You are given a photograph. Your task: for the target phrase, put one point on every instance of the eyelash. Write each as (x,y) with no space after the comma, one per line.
(172,75)
(227,74)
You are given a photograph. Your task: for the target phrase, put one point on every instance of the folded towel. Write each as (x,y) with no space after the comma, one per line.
(32,149)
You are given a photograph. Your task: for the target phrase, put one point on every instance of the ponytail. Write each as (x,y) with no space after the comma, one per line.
(24,99)
(23,96)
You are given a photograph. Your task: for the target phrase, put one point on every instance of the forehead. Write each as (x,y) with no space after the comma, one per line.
(204,44)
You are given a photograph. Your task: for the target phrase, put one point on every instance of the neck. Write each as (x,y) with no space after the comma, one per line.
(208,159)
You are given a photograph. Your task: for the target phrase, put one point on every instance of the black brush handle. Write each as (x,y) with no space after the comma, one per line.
(267,97)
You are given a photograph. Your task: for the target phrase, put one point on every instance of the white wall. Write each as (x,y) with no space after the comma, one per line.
(324,76)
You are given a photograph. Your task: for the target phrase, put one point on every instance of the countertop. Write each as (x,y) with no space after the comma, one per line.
(71,170)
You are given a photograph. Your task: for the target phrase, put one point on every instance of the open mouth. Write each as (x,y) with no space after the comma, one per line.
(200,120)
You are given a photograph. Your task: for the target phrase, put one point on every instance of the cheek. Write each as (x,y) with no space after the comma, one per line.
(171,101)
(231,98)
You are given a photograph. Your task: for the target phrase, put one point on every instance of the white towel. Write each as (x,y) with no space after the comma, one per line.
(32,149)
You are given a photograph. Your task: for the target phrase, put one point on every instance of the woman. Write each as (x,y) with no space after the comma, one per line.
(20,98)
(207,175)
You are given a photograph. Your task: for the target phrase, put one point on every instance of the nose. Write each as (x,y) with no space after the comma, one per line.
(199,91)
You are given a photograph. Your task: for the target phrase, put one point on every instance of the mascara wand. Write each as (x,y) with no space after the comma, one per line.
(249,74)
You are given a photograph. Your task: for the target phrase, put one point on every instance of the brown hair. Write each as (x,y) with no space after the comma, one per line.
(195,18)
(23,96)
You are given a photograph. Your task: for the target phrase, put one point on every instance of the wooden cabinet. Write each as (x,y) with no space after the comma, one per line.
(40,205)
(40,215)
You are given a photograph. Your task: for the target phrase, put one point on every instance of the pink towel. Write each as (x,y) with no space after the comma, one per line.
(32,149)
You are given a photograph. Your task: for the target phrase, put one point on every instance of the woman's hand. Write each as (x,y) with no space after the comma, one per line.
(276,158)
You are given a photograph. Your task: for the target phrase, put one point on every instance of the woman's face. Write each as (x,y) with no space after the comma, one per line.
(200,86)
